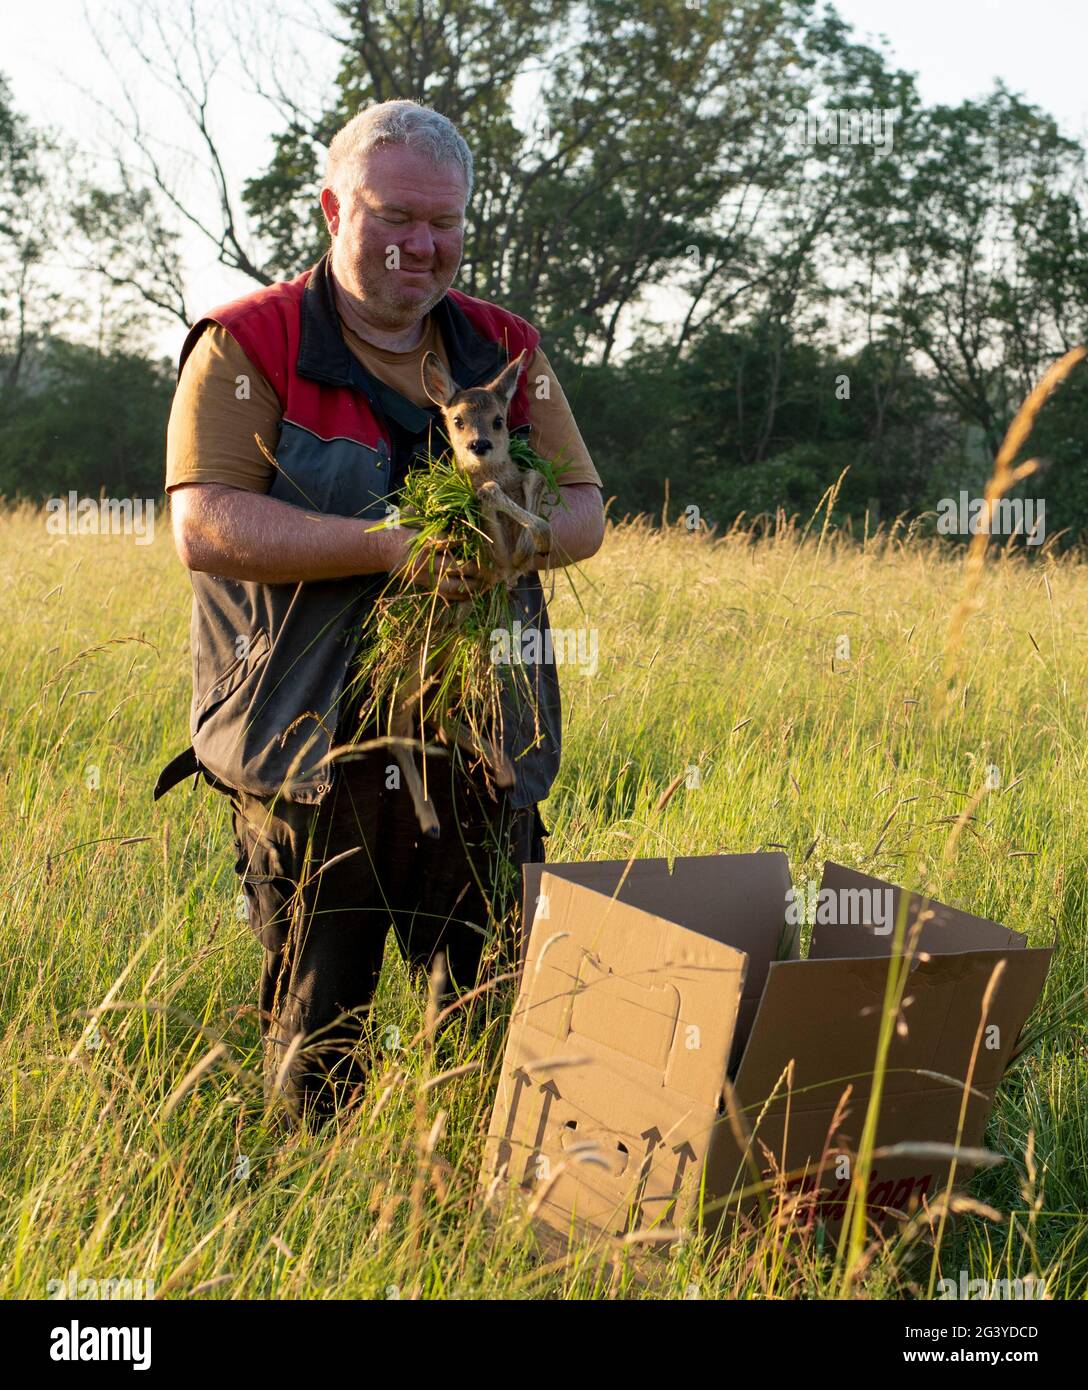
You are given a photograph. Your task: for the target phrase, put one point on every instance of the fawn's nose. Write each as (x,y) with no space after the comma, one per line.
(481,446)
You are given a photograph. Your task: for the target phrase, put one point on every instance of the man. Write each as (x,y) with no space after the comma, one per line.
(286,562)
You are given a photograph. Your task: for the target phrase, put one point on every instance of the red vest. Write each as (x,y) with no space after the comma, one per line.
(270,660)
(267,327)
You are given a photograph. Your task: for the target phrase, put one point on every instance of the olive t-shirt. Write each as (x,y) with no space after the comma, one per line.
(222,401)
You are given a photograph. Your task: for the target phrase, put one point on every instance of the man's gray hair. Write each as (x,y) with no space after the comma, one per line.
(395,123)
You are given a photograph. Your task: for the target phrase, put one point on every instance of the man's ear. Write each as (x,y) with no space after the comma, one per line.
(437,382)
(330,206)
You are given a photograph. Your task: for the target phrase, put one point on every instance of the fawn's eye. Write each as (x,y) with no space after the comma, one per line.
(497,423)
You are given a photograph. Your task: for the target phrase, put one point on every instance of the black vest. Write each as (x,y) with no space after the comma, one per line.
(266,711)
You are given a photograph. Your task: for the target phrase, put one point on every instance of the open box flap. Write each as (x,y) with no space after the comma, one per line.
(737,899)
(868,933)
(823,1017)
(615,1059)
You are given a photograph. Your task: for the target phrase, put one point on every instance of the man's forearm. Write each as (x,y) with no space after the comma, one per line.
(247,535)
(238,534)
(577,526)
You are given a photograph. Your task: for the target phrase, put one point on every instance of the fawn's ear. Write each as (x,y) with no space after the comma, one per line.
(506,383)
(437,382)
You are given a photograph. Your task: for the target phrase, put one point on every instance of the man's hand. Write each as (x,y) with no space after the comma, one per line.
(432,567)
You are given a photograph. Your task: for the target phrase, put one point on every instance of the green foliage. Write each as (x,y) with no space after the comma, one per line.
(23,239)
(85,420)
(794,480)
(413,632)
(1060,442)
(736,426)
(283,201)
(939,272)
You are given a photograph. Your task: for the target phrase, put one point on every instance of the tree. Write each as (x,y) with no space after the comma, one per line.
(24,295)
(89,420)
(654,145)
(979,251)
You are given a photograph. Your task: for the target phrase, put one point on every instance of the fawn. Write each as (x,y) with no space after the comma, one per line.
(510,501)
(510,496)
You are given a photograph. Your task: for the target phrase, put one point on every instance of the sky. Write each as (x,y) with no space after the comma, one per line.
(958,48)
(61,79)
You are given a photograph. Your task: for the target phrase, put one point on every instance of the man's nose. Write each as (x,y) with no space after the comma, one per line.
(481,446)
(419,243)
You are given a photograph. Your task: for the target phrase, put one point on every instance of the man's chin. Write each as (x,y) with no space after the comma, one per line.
(398,306)
(418,299)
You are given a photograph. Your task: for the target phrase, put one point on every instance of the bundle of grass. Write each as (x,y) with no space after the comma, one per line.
(425,665)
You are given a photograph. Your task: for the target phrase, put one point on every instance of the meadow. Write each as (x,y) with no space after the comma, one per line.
(803,675)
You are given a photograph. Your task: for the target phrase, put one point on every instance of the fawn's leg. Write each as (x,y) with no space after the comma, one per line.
(402,724)
(401,731)
(497,761)
(534,542)
(495,497)
(424,809)
(489,515)
(533,487)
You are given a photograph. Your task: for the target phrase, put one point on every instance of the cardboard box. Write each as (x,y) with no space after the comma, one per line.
(646,991)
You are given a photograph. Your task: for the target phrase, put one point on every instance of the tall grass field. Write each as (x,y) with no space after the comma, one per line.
(797,690)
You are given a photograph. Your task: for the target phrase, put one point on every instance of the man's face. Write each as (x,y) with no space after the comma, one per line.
(397,235)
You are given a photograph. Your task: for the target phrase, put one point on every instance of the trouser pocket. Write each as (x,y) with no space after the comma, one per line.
(527,834)
(269,885)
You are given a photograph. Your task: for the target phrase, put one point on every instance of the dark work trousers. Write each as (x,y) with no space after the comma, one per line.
(323,930)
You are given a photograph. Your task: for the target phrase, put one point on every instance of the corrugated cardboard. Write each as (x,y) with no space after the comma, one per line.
(645,990)
(748,916)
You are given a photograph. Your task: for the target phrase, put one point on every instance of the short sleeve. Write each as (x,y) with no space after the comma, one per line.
(556,435)
(221,402)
